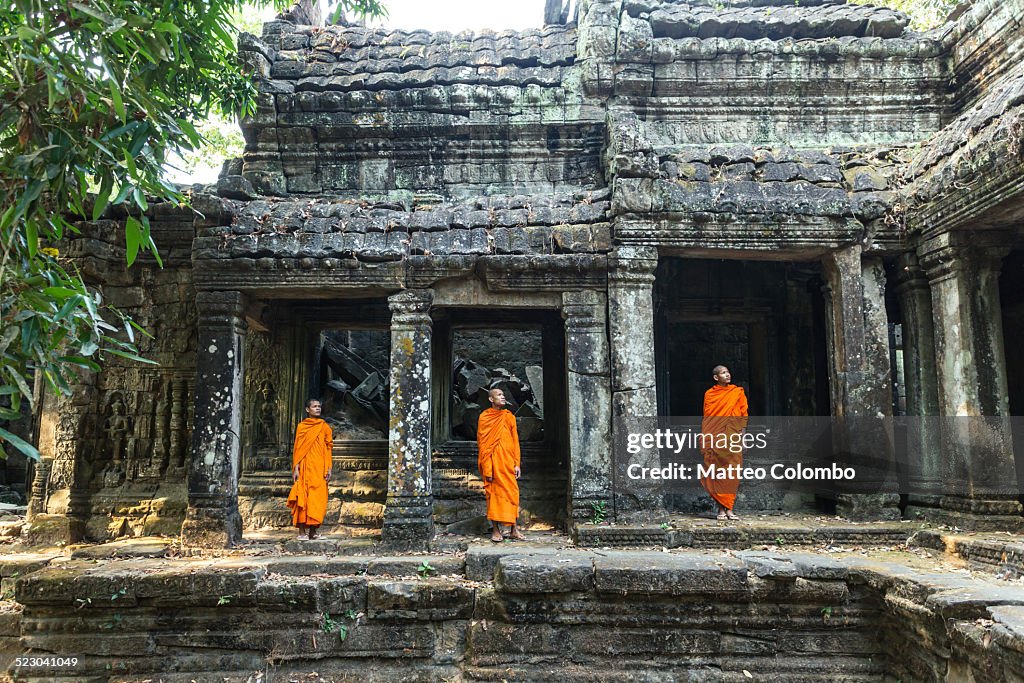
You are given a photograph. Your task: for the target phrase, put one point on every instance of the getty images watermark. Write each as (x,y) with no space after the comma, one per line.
(821,456)
(667,440)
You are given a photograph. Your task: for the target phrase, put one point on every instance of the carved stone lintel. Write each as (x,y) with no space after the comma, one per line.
(408,514)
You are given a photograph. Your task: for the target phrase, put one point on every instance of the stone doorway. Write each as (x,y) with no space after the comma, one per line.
(523,353)
(1011,297)
(766,322)
(339,352)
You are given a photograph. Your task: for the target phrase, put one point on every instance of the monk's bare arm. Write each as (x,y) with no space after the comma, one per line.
(515,446)
(329,444)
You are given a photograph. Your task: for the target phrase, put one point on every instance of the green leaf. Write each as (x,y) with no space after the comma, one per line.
(131,356)
(27,34)
(9,335)
(70,305)
(166,27)
(9,414)
(88,348)
(32,238)
(115,98)
(20,382)
(140,199)
(133,238)
(27,449)
(95,13)
(81,362)
(131,164)
(59,292)
(103,198)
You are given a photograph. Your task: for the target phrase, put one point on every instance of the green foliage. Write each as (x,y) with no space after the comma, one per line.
(924,14)
(425,569)
(328,625)
(359,8)
(599,512)
(95,95)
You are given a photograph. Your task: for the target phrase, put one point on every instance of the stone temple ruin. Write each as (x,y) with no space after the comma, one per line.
(592,215)
(589,215)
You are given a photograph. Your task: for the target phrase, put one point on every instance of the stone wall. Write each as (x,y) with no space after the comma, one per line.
(116,450)
(526,615)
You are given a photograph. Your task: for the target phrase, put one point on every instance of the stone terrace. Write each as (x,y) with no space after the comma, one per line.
(529,611)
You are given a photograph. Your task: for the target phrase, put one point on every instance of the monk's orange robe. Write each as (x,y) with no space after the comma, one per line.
(498,441)
(308,498)
(725,415)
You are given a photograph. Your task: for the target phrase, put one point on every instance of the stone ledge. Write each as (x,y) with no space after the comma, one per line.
(698,533)
(1000,553)
(549,612)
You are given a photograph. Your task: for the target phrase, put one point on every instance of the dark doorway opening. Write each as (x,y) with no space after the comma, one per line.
(1011,298)
(766,322)
(523,353)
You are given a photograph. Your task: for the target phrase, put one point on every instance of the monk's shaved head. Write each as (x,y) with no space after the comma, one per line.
(718,369)
(497,398)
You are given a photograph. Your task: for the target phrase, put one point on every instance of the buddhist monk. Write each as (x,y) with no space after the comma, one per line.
(725,418)
(498,441)
(311,470)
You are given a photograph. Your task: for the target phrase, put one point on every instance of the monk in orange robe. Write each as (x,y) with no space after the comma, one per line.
(311,470)
(725,418)
(498,441)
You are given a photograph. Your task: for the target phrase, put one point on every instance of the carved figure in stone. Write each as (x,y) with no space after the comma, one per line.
(311,471)
(498,443)
(116,427)
(266,414)
(725,418)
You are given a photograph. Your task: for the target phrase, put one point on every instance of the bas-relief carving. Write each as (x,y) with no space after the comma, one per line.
(117,427)
(266,414)
(263,400)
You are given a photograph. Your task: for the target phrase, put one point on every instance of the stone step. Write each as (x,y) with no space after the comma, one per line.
(776,532)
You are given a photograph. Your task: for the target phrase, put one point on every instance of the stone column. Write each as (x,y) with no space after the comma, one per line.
(633,381)
(925,465)
(212,518)
(589,400)
(860,373)
(972,382)
(408,516)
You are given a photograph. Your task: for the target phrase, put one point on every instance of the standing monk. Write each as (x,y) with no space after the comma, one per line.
(311,470)
(498,440)
(725,415)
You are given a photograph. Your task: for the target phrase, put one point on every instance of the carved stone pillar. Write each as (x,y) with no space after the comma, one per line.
(970,362)
(633,377)
(589,399)
(860,373)
(408,516)
(925,468)
(212,519)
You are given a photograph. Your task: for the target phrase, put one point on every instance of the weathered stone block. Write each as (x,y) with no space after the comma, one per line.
(653,573)
(559,573)
(425,600)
